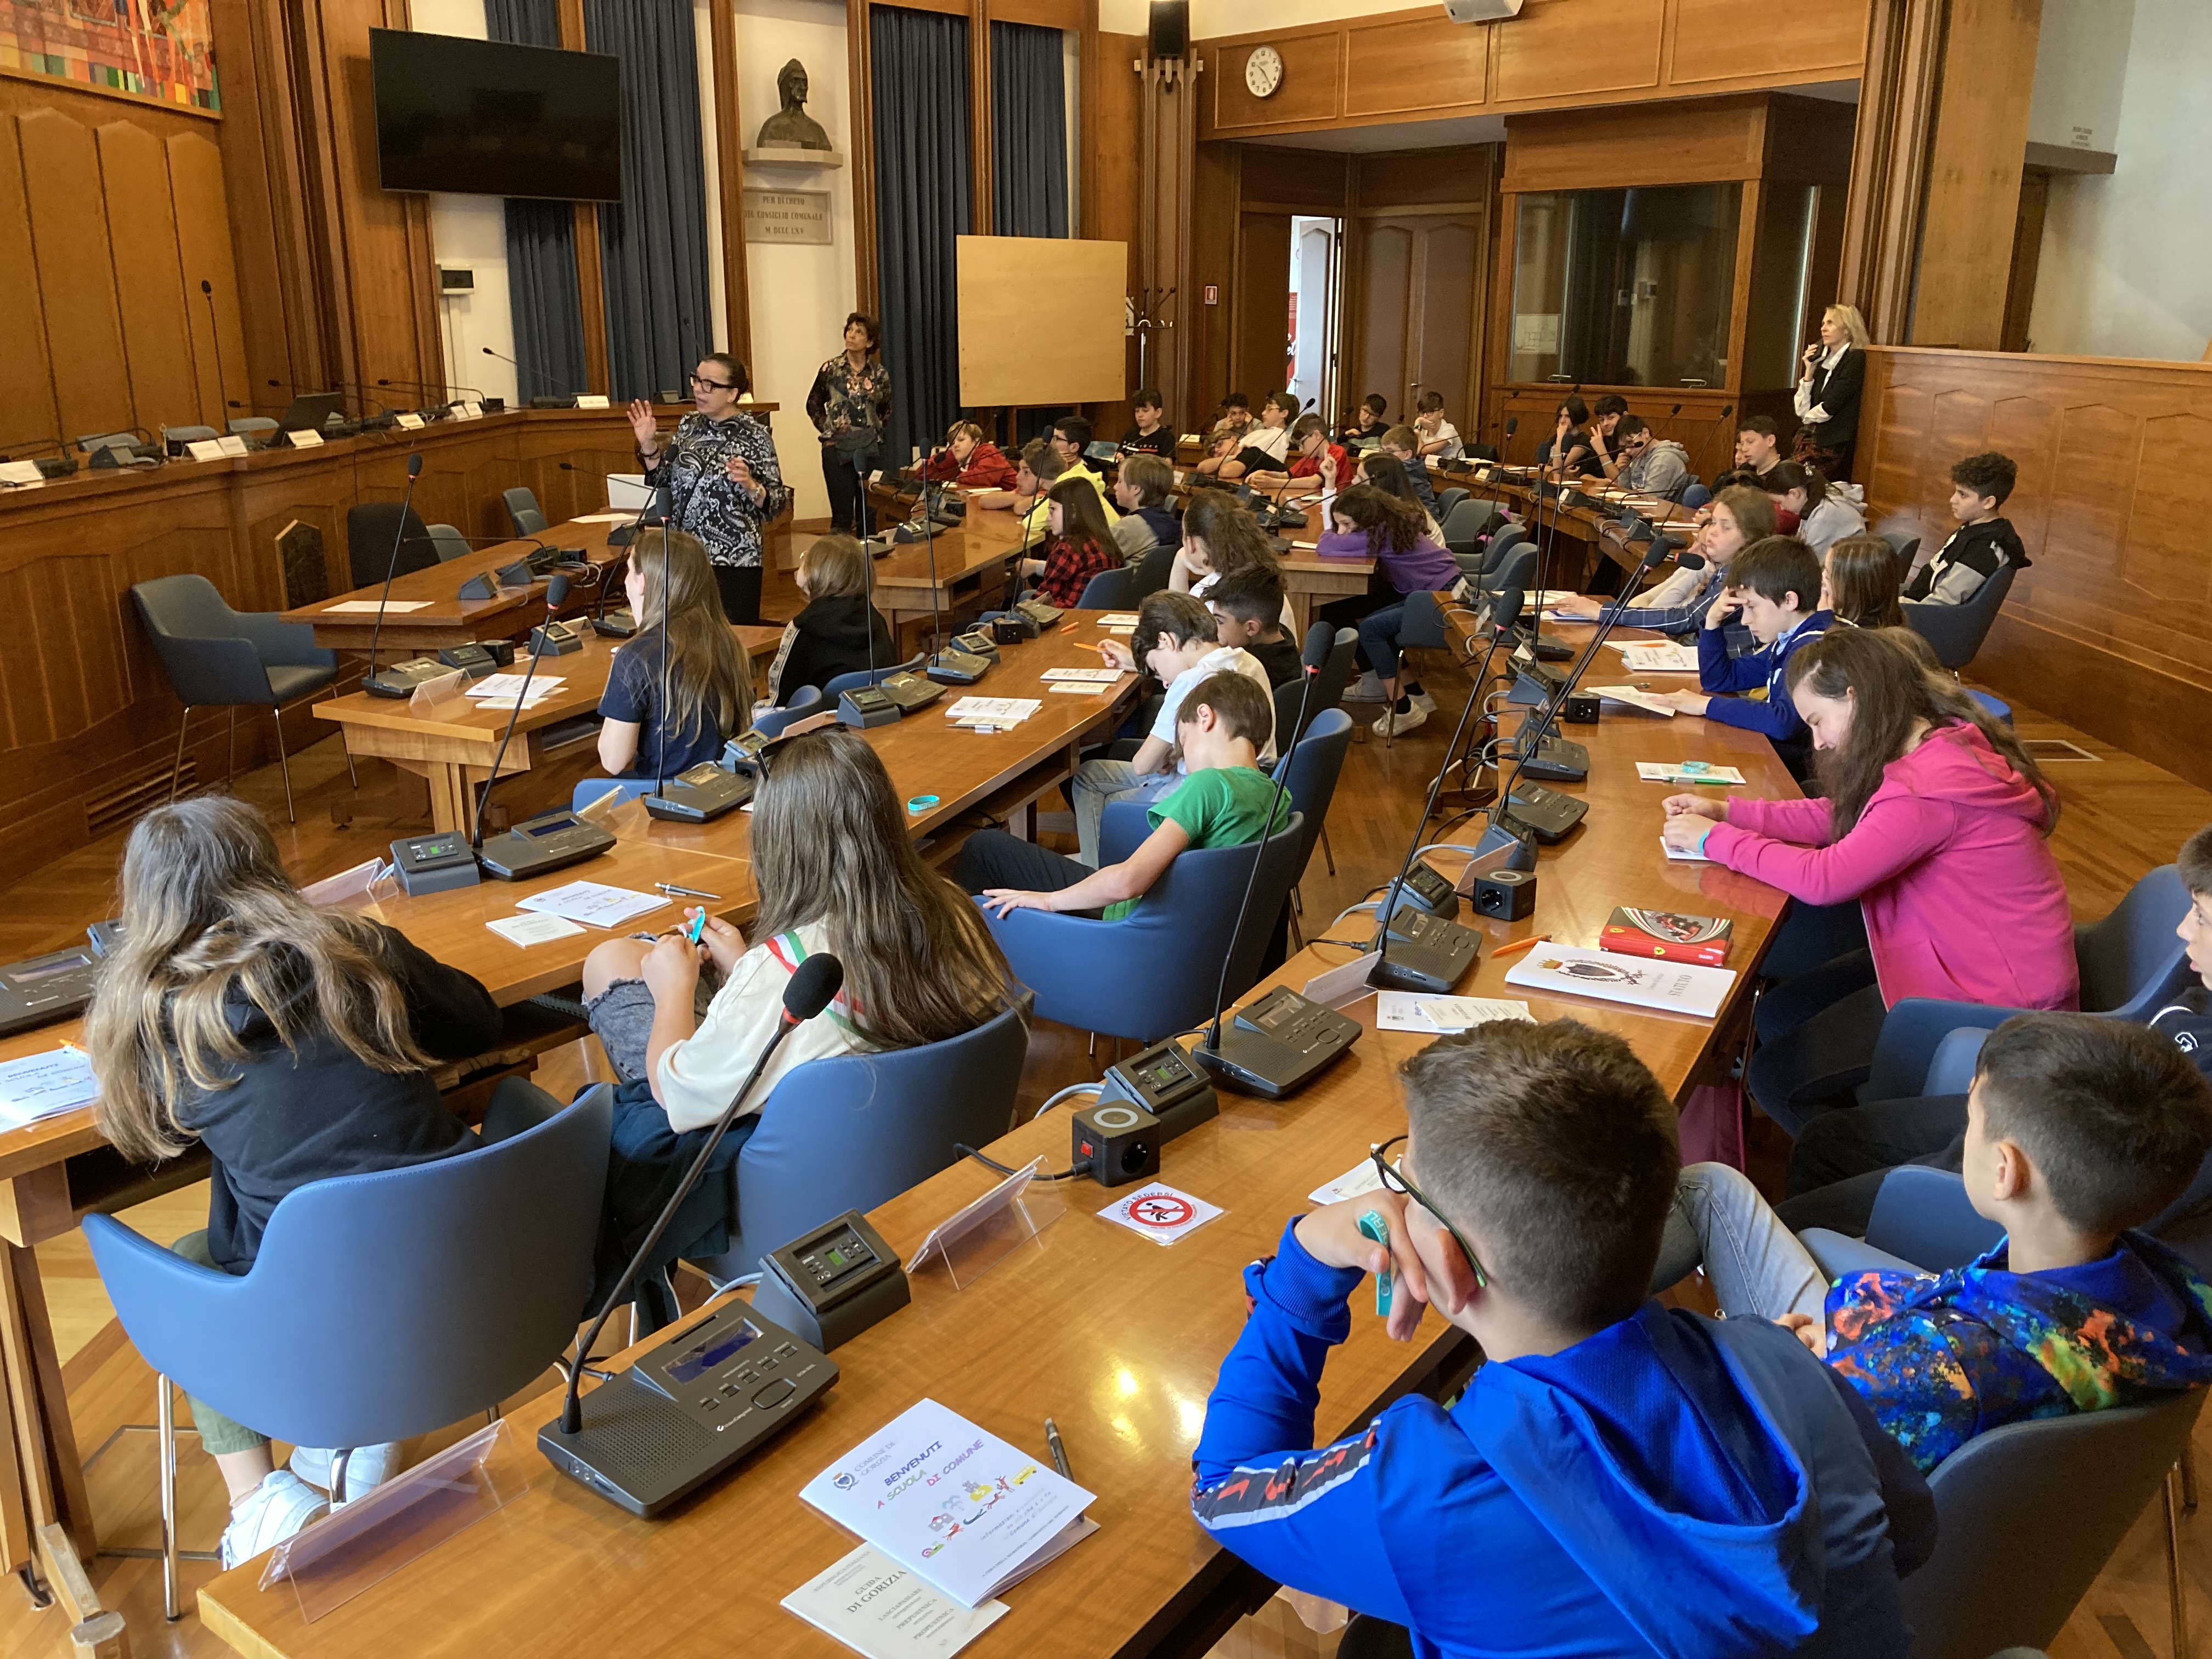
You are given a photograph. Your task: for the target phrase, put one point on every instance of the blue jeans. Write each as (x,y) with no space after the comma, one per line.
(1378,638)
(1755,1264)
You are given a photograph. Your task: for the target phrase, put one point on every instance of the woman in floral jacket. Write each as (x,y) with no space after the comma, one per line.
(850,405)
(720,470)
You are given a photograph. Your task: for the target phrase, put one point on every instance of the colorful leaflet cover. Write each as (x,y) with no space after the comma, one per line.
(1669,934)
(1674,988)
(955,1506)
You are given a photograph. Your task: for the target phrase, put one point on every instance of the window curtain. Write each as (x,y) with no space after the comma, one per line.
(923,201)
(543,296)
(653,244)
(1029,131)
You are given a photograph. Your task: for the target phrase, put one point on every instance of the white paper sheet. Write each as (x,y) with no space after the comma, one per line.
(38,1086)
(592,902)
(370,607)
(1636,699)
(1361,1179)
(1673,772)
(530,930)
(1416,1011)
(1675,987)
(1645,657)
(510,685)
(877,1607)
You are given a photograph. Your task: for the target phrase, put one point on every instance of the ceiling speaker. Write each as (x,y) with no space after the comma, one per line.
(1481,11)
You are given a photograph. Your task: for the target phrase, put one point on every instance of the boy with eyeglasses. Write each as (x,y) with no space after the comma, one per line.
(1619,1477)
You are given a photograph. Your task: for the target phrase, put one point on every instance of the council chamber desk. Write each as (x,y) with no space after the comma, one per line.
(1116,1339)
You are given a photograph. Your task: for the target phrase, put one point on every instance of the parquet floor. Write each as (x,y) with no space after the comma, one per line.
(2123,815)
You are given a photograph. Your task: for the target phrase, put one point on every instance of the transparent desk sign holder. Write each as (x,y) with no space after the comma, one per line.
(976,1238)
(353,1548)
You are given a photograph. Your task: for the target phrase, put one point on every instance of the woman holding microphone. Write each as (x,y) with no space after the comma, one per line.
(1828,398)
(720,470)
(850,405)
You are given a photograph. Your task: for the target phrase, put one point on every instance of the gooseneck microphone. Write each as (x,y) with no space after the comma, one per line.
(814,985)
(391,565)
(215,333)
(537,374)
(557,591)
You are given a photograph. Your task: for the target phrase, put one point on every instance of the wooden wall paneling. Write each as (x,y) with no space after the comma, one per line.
(1311,88)
(1262,305)
(2027,259)
(1110,115)
(1395,68)
(1809,140)
(1073,15)
(1295,180)
(76,273)
(1711,41)
(861,101)
(1889,162)
(222,365)
(27,413)
(304,48)
(979,210)
(1703,142)
(1211,262)
(729,147)
(1168,211)
(1746,261)
(1379,312)
(1552,52)
(1974,161)
(149,280)
(1450,282)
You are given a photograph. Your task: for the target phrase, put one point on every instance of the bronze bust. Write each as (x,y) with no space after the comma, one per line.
(792,125)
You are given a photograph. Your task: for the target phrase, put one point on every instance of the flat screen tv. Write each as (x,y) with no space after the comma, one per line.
(484,118)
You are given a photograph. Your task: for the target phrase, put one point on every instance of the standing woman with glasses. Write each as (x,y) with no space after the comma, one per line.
(724,483)
(850,405)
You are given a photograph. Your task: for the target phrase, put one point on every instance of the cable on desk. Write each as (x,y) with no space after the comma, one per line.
(1081,1168)
(1072,1089)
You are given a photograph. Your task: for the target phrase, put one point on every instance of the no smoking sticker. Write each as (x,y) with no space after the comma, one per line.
(1160,1214)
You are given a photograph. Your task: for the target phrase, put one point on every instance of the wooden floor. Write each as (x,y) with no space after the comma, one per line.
(2122,817)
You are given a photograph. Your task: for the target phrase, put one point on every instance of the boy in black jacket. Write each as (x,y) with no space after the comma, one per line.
(1983,544)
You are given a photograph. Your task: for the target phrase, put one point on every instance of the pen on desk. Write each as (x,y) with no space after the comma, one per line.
(1059,1451)
(1518,945)
(674,891)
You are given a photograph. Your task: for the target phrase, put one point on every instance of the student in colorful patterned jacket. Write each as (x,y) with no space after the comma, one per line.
(2079,1129)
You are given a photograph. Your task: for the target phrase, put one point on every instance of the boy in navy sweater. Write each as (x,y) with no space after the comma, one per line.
(1617,1478)
(1775,585)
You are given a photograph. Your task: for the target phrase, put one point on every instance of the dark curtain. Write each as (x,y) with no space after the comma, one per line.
(1029,131)
(922,202)
(541,293)
(653,244)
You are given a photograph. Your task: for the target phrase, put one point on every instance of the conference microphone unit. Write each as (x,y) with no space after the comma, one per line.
(1280,1041)
(401,678)
(719,1388)
(560,398)
(699,793)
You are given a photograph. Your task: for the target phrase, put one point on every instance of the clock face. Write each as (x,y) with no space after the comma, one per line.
(1263,71)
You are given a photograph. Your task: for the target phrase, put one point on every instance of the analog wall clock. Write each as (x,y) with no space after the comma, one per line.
(1263,71)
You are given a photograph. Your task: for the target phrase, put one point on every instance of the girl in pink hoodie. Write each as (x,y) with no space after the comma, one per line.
(1936,821)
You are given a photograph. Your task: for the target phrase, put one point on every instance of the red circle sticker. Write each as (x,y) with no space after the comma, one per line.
(1161,1210)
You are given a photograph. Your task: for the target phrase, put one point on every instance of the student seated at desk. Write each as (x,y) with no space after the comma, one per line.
(1221,537)
(1143,488)
(1933,818)
(1438,436)
(1266,447)
(671,592)
(1824,512)
(1641,460)
(1177,640)
(1223,445)
(839,632)
(1079,543)
(1370,421)
(1150,435)
(1387,473)
(1619,1477)
(1678,602)
(1757,445)
(836,871)
(1070,436)
(2078,1130)
(294,1043)
(1311,456)
(1982,545)
(1235,415)
(1859,582)
(1367,524)
(1403,444)
(1046,468)
(1568,453)
(970,460)
(1776,586)
(1249,607)
(1222,799)
(1606,415)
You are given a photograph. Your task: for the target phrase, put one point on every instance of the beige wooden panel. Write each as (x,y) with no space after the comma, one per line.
(1262,305)
(1425,63)
(1451,266)
(76,273)
(203,253)
(1383,280)
(27,385)
(1014,351)
(1712,43)
(1556,49)
(149,284)
(1313,74)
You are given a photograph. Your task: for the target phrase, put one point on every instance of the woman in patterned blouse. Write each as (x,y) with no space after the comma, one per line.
(720,472)
(850,405)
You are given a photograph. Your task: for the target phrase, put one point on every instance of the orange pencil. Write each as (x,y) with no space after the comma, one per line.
(1518,944)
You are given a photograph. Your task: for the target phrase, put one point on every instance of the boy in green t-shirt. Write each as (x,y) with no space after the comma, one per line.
(1224,802)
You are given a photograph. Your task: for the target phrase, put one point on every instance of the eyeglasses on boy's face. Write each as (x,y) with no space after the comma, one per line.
(1394,1180)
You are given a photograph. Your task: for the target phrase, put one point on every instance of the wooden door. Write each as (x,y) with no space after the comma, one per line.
(1259,362)
(1417,287)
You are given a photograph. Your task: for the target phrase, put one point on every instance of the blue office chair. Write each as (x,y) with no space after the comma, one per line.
(1152,571)
(218,658)
(371,530)
(1463,527)
(807,699)
(860,677)
(850,1132)
(1695,494)
(1997,711)
(1154,972)
(1957,630)
(2130,962)
(379,1306)
(1309,771)
(1906,548)
(450,543)
(2027,1514)
(523,512)
(1118,589)
(1448,501)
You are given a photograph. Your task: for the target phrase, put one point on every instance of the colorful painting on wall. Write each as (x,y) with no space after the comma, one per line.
(162,51)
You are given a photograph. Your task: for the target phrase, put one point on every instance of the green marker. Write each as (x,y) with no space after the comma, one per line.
(1376,1228)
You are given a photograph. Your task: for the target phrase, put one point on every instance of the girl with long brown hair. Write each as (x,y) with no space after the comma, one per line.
(1370,524)
(682,641)
(293,1043)
(1936,821)
(1860,583)
(1081,543)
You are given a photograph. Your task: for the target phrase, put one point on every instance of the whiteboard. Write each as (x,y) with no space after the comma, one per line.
(1042,321)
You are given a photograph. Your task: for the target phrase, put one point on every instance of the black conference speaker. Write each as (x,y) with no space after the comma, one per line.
(1506,895)
(1119,1140)
(1170,33)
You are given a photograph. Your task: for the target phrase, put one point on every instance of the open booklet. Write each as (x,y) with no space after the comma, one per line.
(1674,988)
(952,1503)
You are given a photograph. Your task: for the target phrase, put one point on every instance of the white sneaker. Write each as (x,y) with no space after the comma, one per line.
(1368,689)
(369,1467)
(1394,723)
(1422,702)
(273,1511)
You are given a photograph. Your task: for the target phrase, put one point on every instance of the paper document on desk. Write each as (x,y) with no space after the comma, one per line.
(1682,854)
(1676,772)
(956,1505)
(1118,619)
(1644,657)
(370,607)
(592,902)
(38,1086)
(509,686)
(1636,699)
(876,1606)
(998,712)
(1099,676)
(1414,1011)
(604,518)
(1674,988)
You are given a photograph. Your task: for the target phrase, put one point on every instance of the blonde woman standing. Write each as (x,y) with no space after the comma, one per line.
(1827,398)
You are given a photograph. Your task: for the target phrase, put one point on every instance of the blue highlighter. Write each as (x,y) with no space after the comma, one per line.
(1372,1224)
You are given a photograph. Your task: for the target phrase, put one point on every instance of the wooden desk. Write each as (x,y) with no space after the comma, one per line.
(1582,525)
(1310,581)
(1119,1340)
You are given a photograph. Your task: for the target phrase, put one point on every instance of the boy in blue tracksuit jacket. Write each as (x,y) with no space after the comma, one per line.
(1775,585)
(1617,1478)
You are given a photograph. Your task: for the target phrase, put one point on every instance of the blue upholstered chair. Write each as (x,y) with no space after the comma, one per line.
(860,677)
(1957,630)
(379,1306)
(523,511)
(1118,589)
(807,699)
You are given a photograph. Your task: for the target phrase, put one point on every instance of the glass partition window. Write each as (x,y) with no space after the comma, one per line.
(1624,287)
(1781,269)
